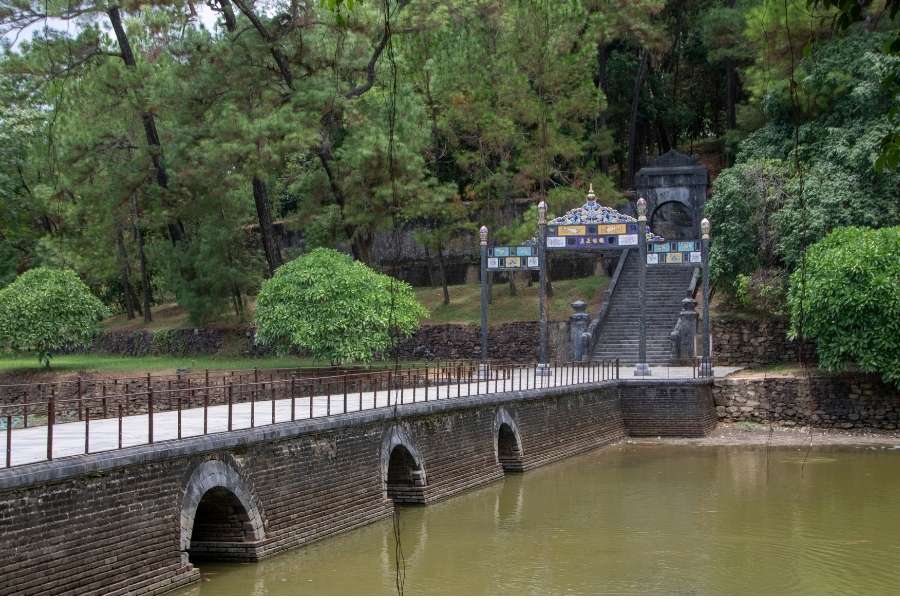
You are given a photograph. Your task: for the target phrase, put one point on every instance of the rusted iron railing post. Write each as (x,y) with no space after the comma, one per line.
(312,391)
(293,399)
(51,417)
(120,425)
(9,426)
(150,415)
(253,403)
(230,392)
(344,382)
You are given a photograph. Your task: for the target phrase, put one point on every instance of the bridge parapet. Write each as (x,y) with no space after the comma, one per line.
(121,521)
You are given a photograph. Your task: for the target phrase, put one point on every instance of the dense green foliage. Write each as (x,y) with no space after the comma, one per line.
(784,194)
(47,309)
(848,300)
(174,152)
(167,158)
(335,308)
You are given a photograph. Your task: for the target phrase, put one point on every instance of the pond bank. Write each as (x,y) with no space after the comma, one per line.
(754,434)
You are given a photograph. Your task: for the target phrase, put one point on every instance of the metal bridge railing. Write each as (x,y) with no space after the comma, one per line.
(54,427)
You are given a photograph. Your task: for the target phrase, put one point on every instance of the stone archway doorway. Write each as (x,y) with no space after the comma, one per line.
(672,221)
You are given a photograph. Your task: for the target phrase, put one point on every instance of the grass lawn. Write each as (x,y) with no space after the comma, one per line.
(465,301)
(464,306)
(92,362)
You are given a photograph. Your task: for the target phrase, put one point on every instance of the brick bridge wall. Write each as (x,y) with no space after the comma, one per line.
(122,521)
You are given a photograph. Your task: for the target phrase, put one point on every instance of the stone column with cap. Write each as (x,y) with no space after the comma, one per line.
(578,323)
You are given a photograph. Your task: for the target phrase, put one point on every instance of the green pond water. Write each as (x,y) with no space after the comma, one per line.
(628,519)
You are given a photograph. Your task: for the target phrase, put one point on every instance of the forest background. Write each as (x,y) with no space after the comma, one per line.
(158,154)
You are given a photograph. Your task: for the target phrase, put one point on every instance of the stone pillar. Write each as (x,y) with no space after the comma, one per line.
(578,323)
(685,332)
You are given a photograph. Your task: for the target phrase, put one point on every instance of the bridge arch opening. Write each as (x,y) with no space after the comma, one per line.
(509,454)
(405,477)
(507,441)
(220,519)
(222,528)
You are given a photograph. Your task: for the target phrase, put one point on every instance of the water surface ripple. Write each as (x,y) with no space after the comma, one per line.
(629,519)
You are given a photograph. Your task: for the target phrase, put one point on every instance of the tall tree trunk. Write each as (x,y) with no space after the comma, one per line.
(428,268)
(602,84)
(237,301)
(443,272)
(730,101)
(176,228)
(266,231)
(228,15)
(142,256)
(730,95)
(633,122)
(125,272)
(513,290)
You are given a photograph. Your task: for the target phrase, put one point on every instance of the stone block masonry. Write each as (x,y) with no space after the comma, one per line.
(852,401)
(754,343)
(132,520)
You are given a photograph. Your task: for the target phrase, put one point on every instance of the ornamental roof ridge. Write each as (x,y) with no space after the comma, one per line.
(592,213)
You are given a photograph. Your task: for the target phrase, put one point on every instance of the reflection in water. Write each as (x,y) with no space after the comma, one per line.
(629,520)
(508,507)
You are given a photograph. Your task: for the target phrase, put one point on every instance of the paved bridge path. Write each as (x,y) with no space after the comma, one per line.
(29,445)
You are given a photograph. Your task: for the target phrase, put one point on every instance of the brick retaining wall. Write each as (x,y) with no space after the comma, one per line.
(841,401)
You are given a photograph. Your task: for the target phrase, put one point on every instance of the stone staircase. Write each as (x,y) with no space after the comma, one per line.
(618,335)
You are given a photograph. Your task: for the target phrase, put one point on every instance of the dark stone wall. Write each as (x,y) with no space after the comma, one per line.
(755,343)
(669,410)
(515,342)
(507,341)
(852,401)
(114,522)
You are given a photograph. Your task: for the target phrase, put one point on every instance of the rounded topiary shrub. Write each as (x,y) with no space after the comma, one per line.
(47,309)
(335,308)
(847,298)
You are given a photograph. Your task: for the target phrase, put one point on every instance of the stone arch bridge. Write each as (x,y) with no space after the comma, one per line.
(133,520)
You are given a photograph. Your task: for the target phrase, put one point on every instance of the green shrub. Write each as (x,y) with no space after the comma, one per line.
(334,307)
(764,291)
(46,309)
(848,300)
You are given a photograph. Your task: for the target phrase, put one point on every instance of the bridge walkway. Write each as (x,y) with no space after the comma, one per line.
(29,445)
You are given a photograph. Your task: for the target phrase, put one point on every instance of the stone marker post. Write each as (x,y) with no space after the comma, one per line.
(578,323)
(543,368)
(483,369)
(642,369)
(706,369)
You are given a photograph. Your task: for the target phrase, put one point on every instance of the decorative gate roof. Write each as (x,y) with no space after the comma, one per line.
(592,213)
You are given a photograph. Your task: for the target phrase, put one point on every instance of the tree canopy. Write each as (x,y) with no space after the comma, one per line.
(335,308)
(174,152)
(45,310)
(848,300)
